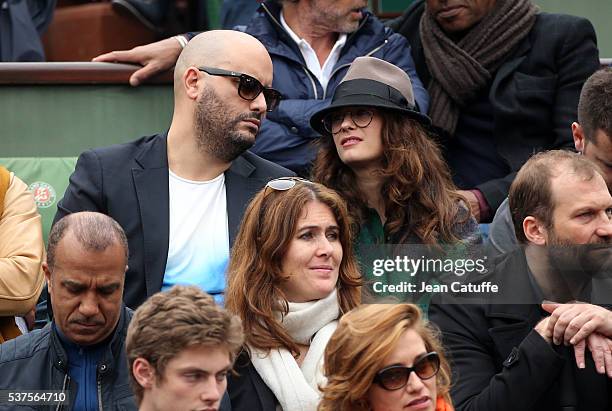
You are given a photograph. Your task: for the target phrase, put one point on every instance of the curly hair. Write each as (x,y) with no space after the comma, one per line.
(169,322)
(357,350)
(255,269)
(420,197)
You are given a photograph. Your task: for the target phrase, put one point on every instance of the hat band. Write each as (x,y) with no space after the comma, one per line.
(371,88)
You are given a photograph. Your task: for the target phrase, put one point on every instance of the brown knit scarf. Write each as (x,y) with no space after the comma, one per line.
(459,70)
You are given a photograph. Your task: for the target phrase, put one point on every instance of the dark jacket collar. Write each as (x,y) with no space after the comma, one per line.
(267,28)
(115,343)
(154,152)
(151,184)
(513,321)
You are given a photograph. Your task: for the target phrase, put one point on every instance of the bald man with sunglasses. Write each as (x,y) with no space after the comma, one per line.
(312,44)
(180,195)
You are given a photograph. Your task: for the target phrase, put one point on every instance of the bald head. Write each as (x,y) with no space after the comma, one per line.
(227,49)
(212,113)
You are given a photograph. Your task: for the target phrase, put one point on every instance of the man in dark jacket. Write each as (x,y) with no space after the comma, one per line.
(312,44)
(180,195)
(80,355)
(507,352)
(504,81)
(592,137)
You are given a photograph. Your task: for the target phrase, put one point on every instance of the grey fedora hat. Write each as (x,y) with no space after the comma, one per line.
(372,82)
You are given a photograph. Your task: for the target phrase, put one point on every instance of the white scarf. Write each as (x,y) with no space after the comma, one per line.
(295,387)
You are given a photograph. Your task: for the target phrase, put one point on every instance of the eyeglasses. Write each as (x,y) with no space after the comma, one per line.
(396,376)
(248,87)
(285,183)
(361,117)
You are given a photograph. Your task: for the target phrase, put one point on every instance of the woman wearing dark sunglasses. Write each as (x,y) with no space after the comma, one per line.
(377,153)
(384,357)
(292,273)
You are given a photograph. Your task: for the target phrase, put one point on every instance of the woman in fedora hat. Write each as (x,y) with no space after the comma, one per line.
(379,154)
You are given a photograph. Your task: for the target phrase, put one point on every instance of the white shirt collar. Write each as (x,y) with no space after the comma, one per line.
(322,73)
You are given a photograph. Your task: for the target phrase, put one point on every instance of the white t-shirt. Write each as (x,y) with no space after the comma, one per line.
(198,250)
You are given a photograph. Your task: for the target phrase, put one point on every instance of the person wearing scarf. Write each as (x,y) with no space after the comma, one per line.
(309,324)
(504,81)
(292,274)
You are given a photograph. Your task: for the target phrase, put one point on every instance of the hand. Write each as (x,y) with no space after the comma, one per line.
(601,351)
(572,323)
(542,329)
(472,202)
(154,57)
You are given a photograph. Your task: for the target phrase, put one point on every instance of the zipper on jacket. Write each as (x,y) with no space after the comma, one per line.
(269,13)
(100,395)
(314,84)
(280,26)
(377,48)
(60,405)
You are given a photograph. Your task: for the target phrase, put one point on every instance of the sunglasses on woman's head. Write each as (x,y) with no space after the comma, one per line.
(361,117)
(395,377)
(248,87)
(285,183)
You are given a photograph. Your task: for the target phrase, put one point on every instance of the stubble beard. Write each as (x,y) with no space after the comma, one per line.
(579,262)
(336,22)
(216,133)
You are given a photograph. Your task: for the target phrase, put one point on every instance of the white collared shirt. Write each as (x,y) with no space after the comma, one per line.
(322,73)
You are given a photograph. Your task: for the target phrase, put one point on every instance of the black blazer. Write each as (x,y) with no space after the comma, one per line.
(534,93)
(501,363)
(129,182)
(247,390)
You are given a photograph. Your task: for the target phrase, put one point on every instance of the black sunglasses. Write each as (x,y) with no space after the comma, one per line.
(248,87)
(361,118)
(395,377)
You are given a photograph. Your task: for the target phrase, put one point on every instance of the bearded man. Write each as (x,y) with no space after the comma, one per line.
(180,195)
(517,350)
(504,81)
(312,44)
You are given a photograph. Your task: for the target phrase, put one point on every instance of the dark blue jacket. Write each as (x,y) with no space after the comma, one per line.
(38,361)
(83,369)
(129,182)
(286,136)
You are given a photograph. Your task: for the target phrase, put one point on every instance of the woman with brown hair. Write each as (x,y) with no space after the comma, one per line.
(377,153)
(385,357)
(292,274)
